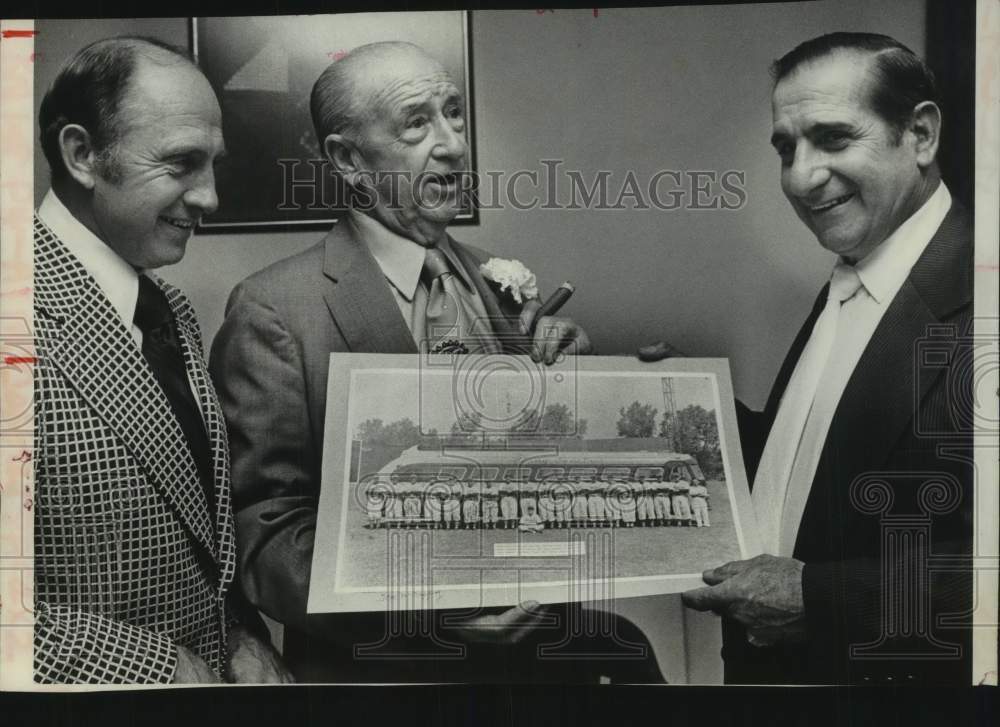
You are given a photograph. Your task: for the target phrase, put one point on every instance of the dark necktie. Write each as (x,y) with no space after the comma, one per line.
(162,349)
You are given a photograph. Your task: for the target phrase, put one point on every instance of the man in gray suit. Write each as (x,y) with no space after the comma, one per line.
(386,279)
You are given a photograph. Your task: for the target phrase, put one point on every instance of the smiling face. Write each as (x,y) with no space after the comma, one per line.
(413,142)
(847,173)
(160,179)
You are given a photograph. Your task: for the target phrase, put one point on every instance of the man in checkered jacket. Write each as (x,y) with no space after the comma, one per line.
(134,542)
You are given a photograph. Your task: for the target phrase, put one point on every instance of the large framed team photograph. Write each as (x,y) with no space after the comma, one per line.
(466,481)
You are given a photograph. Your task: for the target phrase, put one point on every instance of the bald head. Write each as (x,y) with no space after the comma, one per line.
(391,121)
(346,93)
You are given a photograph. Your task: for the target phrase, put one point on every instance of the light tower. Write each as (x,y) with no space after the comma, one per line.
(670,411)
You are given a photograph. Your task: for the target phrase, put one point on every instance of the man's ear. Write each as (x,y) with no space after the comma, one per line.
(78,155)
(925,125)
(344,157)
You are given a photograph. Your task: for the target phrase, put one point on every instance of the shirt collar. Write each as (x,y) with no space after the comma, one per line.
(884,269)
(116,278)
(400,258)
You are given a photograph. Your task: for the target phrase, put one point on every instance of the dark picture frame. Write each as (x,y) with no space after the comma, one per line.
(274,176)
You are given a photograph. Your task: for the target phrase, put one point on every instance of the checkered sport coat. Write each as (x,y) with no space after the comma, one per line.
(128,562)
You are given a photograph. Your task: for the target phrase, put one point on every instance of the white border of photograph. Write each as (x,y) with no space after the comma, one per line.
(328,594)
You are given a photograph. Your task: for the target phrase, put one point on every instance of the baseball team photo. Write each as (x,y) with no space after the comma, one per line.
(471,479)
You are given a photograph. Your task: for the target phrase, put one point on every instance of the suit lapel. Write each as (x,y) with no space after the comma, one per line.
(364,310)
(215,426)
(884,393)
(358,298)
(506,330)
(98,356)
(884,383)
(881,387)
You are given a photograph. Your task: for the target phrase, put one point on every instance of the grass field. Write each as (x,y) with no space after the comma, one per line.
(456,556)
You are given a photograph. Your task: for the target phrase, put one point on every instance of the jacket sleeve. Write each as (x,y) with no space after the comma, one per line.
(75,647)
(860,600)
(257,368)
(260,376)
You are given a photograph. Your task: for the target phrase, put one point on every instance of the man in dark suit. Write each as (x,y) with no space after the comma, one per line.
(861,462)
(134,544)
(382,281)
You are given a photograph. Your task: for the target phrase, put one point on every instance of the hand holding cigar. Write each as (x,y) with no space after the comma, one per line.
(560,334)
(552,305)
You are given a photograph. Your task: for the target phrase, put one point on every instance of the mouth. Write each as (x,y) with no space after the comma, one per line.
(180,224)
(832,204)
(448,180)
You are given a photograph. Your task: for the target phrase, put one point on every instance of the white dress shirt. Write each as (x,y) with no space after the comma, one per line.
(882,273)
(401,261)
(118,280)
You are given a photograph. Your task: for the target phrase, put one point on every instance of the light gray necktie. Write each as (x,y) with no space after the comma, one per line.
(450,323)
(771,485)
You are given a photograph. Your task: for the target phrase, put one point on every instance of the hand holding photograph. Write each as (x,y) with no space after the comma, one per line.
(465,481)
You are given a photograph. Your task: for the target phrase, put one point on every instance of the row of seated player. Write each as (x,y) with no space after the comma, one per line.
(411,505)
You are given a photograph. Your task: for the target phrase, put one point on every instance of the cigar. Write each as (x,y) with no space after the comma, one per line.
(551,306)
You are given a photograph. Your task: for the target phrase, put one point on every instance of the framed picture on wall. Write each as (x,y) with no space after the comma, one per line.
(275,176)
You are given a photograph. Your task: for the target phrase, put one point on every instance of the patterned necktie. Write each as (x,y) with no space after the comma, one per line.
(162,350)
(449,320)
(772,481)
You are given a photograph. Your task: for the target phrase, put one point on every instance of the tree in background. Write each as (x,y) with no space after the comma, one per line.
(638,420)
(557,420)
(465,431)
(696,433)
(403,433)
(467,425)
(376,443)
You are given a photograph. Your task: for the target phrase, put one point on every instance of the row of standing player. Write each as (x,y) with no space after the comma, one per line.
(596,505)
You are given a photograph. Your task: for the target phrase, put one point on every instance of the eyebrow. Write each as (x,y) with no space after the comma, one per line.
(819,127)
(452,95)
(777,137)
(823,126)
(411,106)
(188,150)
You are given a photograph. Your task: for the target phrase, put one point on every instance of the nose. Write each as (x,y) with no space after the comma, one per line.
(201,194)
(807,172)
(450,144)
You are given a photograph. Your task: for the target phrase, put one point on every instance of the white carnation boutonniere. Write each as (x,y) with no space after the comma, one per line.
(512,276)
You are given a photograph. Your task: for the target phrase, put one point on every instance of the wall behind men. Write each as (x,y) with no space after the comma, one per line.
(644,90)
(641,90)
